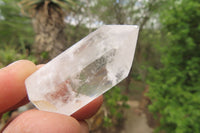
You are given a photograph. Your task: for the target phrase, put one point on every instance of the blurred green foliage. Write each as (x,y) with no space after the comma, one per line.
(175,88)
(116,103)
(11,54)
(16,33)
(5,117)
(15,29)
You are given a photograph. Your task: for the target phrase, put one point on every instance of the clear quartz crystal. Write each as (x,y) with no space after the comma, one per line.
(84,71)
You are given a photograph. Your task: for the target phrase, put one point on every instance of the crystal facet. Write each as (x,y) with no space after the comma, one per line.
(84,71)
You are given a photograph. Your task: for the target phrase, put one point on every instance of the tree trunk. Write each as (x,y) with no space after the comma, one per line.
(50,38)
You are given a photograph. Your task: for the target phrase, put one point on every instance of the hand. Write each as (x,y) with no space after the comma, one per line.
(13,94)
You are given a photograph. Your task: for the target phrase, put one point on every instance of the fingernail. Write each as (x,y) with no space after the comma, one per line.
(10,65)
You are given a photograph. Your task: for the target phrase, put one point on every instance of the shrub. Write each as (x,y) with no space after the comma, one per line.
(175,88)
(115,103)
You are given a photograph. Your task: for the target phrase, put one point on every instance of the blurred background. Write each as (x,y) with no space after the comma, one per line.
(162,91)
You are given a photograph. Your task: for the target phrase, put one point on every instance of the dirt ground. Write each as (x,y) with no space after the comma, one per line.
(136,122)
(136,116)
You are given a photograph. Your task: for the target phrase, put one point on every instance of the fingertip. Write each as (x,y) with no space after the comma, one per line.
(25,68)
(20,69)
(89,110)
(19,63)
(39,66)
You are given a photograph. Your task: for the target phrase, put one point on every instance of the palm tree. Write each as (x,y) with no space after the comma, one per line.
(48,22)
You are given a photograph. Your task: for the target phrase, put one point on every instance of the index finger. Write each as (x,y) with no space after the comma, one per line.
(12,87)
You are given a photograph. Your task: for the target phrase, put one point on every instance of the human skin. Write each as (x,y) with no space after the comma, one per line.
(13,95)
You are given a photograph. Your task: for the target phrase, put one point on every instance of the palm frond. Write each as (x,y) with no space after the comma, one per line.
(28,5)
(65,4)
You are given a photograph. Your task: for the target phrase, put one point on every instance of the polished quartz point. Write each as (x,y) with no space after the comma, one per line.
(84,71)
